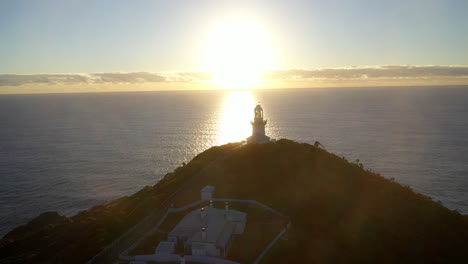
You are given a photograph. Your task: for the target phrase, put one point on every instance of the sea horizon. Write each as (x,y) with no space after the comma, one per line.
(69,152)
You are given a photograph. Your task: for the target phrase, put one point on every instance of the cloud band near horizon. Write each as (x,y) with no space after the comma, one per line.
(368,73)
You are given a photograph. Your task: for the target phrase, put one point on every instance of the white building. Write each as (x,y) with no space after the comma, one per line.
(206,231)
(258,128)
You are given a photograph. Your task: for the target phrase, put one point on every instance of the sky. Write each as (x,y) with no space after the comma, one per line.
(81,45)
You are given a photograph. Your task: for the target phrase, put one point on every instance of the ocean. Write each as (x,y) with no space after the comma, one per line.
(69,152)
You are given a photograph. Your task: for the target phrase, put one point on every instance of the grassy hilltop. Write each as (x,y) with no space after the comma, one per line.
(340,213)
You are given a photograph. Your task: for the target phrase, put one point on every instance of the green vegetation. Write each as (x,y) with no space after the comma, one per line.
(149,243)
(261,228)
(340,213)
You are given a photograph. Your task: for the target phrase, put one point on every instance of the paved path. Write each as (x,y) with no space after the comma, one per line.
(110,254)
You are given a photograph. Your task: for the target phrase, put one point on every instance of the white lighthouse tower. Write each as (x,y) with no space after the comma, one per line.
(258,128)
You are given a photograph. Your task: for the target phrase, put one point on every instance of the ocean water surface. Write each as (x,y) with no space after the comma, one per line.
(68,152)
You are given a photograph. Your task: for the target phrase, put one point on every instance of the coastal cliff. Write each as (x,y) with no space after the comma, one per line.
(340,212)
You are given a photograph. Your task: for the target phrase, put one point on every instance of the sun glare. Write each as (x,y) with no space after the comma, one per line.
(237,52)
(234,123)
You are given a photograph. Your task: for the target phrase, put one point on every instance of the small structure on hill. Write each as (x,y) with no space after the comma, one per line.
(258,128)
(206,231)
(205,235)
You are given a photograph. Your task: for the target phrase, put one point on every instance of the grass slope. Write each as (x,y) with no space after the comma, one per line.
(340,212)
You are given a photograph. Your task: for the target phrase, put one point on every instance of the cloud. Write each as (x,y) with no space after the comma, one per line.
(102,78)
(16,80)
(193,76)
(376,72)
(369,73)
(134,77)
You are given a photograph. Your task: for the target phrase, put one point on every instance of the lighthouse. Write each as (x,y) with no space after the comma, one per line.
(258,128)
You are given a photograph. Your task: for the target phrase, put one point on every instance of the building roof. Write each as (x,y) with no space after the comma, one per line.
(219,226)
(165,247)
(208,188)
(198,246)
(226,233)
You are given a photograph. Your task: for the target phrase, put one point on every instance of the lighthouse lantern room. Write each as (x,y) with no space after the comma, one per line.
(258,128)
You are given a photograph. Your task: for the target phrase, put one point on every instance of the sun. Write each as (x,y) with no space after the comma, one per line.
(237,52)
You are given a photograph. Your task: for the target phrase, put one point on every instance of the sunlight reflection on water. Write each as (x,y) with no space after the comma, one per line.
(234,119)
(70,152)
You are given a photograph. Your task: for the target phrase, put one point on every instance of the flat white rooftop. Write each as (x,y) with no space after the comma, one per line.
(220,226)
